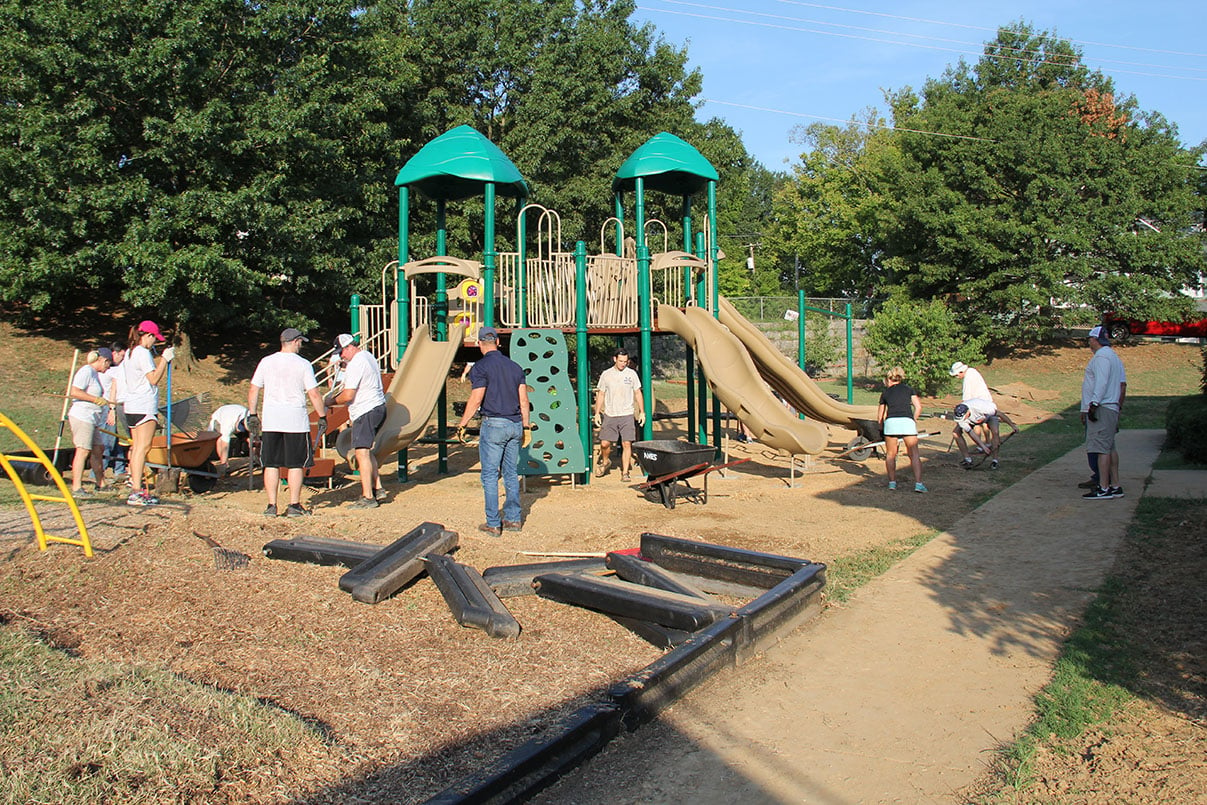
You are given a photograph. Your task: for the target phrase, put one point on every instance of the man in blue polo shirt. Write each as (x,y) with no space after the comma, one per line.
(501,391)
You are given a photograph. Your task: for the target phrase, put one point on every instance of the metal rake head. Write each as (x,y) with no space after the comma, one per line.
(225,559)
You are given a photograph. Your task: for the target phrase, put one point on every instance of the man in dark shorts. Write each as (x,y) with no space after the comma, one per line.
(499,388)
(366,400)
(287,380)
(618,410)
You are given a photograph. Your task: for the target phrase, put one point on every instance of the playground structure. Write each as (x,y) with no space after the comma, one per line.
(543,291)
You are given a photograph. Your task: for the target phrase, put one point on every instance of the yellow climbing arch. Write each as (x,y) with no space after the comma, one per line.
(28,499)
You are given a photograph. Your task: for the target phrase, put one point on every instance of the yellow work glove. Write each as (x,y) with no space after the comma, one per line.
(598,420)
(462,436)
(639,416)
(526,439)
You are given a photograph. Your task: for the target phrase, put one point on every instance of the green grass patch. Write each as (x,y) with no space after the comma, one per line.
(79,731)
(846,574)
(1105,664)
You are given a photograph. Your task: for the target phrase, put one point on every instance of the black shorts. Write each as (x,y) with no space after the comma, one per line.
(134,420)
(364,428)
(290,451)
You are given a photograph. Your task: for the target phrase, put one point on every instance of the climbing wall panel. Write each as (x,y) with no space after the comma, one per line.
(556,448)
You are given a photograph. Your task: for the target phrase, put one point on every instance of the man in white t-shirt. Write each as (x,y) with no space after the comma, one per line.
(287,380)
(975,388)
(366,401)
(618,409)
(969,414)
(227,421)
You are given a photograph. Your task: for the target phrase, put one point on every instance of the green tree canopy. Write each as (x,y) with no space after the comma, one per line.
(1046,186)
(209,161)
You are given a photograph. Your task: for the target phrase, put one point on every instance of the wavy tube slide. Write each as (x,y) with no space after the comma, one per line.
(413,394)
(793,384)
(736,382)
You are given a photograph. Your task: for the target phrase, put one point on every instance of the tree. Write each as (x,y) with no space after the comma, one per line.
(211,163)
(826,216)
(1044,186)
(924,339)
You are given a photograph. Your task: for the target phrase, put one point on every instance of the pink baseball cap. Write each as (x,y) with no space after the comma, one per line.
(151,327)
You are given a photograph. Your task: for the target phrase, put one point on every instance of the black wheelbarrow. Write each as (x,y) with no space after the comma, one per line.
(666,462)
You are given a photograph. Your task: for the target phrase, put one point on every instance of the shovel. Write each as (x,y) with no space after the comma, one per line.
(224,558)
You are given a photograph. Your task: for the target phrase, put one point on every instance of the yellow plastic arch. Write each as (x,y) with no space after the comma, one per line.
(28,499)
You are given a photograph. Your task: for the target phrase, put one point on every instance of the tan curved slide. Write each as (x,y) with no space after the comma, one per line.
(792,382)
(413,393)
(736,382)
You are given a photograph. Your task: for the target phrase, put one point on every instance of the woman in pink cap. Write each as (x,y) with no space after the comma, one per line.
(143,372)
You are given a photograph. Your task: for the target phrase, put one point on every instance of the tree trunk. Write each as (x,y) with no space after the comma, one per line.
(184,349)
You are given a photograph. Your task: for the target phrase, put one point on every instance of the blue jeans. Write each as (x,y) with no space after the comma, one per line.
(499,452)
(115,454)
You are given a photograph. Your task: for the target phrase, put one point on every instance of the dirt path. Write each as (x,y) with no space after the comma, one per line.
(902,695)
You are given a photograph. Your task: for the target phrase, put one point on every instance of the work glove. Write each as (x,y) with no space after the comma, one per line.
(639,416)
(598,420)
(169,354)
(462,436)
(253,425)
(1092,414)
(526,439)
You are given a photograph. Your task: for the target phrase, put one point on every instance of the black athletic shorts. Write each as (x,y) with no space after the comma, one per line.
(290,451)
(364,427)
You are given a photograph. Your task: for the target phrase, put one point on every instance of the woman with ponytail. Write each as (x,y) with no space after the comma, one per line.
(144,370)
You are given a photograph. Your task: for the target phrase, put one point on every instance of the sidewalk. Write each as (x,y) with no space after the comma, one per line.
(903,694)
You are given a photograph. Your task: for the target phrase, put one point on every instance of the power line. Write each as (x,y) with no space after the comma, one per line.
(983,28)
(878,40)
(840,120)
(1023,52)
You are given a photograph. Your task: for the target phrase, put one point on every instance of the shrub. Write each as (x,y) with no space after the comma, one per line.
(924,340)
(1186,427)
(821,345)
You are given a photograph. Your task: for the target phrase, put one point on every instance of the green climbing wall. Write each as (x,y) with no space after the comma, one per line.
(556,448)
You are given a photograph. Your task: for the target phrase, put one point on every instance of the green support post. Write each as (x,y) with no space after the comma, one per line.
(581,354)
(800,330)
(850,359)
(354,313)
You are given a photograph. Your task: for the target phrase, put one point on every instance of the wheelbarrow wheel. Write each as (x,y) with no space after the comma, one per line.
(200,484)
(859,455)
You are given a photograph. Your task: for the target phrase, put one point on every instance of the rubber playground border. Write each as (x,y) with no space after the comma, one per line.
(635,700)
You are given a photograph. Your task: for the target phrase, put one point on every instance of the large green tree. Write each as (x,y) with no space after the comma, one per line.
(207,161)
(1045,186)
(826,217)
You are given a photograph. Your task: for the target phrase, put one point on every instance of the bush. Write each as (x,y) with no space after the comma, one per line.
(924,340)
(1186,427)
(821,345)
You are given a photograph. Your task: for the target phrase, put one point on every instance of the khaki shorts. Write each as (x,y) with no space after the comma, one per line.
(617,429)
(84,434)
(1100,435)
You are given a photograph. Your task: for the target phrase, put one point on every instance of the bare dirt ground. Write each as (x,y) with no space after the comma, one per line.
(408,699)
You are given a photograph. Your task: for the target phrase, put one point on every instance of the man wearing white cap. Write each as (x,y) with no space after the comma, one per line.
(975,388)
(1102,391)
(366,400)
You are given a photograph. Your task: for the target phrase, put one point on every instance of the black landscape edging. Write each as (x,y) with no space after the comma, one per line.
(793,598)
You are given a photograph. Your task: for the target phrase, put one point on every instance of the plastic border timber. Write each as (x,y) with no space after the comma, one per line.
(791,595)
(392,567)
(639,571)
(321,551)
(616,597)
(471,601)
(510,581)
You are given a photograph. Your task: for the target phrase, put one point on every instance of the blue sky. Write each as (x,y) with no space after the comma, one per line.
(770,66)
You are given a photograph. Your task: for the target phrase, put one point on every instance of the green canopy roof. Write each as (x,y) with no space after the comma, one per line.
(668,164)
(457,165)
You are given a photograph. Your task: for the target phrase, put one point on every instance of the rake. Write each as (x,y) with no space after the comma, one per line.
(190,413)
(224,558)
